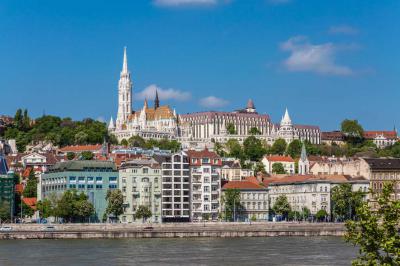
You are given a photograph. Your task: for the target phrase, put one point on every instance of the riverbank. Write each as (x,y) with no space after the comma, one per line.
(183,230)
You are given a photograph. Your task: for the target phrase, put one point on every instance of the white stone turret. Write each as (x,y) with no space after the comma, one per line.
(111,125)
(286,121)
(124,94)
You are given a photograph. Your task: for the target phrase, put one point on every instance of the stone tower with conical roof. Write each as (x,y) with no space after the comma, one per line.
(124,94)
(304,164)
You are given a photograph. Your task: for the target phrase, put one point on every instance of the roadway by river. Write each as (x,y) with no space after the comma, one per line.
(187,251)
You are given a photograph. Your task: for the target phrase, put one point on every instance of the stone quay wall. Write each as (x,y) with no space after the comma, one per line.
(177,230)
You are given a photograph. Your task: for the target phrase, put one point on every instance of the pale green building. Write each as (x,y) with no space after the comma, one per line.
(140,182)
(94,178)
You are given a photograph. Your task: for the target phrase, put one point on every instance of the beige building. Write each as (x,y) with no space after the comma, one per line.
(253,198)
(310,191)
(232,171)
(286,161)
(140,183)
(340,166)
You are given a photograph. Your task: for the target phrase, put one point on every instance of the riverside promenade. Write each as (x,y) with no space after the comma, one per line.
(176,230)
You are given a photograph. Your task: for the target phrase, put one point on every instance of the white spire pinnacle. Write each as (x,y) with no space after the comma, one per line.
(111,124)
(125,64)
(286,119)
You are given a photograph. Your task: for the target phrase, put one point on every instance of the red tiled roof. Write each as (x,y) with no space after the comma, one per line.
(19,188)
(31,202)
(242,185)
(26,172)
(387,134)
(303,178)
(279,158)
(81,148)
(204,154)
(306,127)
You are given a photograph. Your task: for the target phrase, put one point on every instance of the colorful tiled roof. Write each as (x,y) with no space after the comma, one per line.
(279,158)
(242,185)
(387,134)
(31,202)
(81,148)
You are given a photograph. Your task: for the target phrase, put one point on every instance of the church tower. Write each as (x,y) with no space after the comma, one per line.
(124,94)
(286,130)
(156,101)
(304,164)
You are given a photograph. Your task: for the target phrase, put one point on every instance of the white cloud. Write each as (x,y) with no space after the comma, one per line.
(343,29)
(163,94)
(213,102)
(177,3)
(307,57)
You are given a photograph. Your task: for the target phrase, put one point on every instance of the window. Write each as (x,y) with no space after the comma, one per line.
(124,180)
(112,179)
(99,179)
(72,178)
(90,187)
(99,186)
(90,178)
(145,170)
(72,186)
(206,160)
(206,189)
(81,186)
(112,186)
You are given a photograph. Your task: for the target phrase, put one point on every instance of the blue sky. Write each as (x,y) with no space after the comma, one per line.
(324,60)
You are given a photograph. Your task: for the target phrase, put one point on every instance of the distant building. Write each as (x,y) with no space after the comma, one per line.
(205,168)
(384,170)
(340,166)
(286,161)
(94,178)
(157,122)
(175,187)
(213,127)
(232,171)
(311,192)
(381,138)
(7,186)
(140,183)
(253,198)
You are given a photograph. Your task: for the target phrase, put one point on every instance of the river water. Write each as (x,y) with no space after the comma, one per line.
(187,251)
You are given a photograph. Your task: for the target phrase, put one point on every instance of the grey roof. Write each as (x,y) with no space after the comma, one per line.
(140,163)
(383,163)
(83,165)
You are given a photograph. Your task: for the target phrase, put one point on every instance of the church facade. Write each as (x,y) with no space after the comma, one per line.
(202,128)
(156,122)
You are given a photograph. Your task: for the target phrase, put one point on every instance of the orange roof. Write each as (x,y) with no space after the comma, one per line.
(81,148)
(27,172)
(19,188)
(279,158)
(162,112)
(242,185)
(391,134)
(31,202)
(204,154)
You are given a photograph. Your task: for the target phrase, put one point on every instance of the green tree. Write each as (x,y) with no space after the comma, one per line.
(305,213)
(27,210)
(87,155)
(376,231)
(137,141)
(253,148)
(353,131)
(277,168)
(83,209)
(219,149)
(124,143)
(230,128)
(321,215)
(282,206)
(45,208)
(254,131)
(5,214)
(70,156)
(81,137)
(231,201)
(143,212)
(345,201)
(115,202)
(74,207)
(279,147)
(294,148)
(30,190)
(259,168)
(235,149)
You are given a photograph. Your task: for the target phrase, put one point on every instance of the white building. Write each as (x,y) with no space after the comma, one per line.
(205,168)
(311,192)
(286,161)
(213,126)
(304,163)
(253,198)
(233,171)
(155,122)
(140,183)
(175,188)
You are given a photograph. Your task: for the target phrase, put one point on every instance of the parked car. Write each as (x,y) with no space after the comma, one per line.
(5,228)
(49,228)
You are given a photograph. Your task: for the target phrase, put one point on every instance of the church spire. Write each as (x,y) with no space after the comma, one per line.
(156,101)
(125,63)
(286,121)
